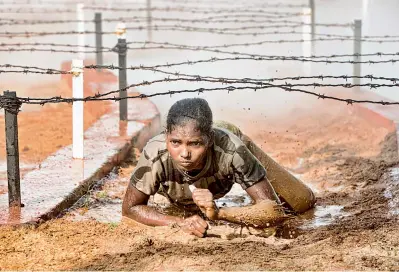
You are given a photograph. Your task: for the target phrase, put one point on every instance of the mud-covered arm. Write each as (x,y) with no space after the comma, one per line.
(135,207)
(265,212)
(251,175)
(145,181)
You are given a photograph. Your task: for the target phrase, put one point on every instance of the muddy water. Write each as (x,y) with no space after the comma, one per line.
(392,192)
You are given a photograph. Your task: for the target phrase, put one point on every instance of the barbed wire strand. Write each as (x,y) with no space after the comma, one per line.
(330,37)
(237,56)
(13,104)
(278,4)
(154,9)
(164,19)
(93,3)
(164,45)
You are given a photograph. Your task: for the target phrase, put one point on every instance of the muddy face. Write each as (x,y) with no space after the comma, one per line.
(187,146)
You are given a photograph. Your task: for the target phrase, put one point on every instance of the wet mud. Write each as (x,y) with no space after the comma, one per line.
(352,169)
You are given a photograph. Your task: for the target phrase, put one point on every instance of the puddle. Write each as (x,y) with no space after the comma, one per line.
(235,198)
(322,216)
(392,192)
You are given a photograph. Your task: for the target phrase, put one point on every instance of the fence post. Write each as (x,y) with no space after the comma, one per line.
(313,22)
(357,51)
(365,6)
(306,37)
(99,38)
(81,29)
(77,110)
(149,20)
(13,175)
(122,52)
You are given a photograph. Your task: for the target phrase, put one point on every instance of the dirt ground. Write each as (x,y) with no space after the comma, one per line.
(346,160)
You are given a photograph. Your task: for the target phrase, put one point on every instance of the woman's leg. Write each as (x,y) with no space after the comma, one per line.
(290,189)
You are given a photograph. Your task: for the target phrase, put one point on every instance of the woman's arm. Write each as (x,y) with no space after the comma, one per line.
(265,212)
(135,207)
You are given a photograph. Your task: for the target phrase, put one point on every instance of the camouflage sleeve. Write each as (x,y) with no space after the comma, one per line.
(247,168)
(146,175)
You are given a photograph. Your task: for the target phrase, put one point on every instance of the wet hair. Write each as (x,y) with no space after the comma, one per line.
(188,110)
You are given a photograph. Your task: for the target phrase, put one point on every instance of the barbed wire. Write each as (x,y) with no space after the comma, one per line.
(214,30)
(34,72)
(195,10)
(237,56)
(334,37)
(27,68)
(138,19)
(214,59)
(257,82)
(164,45)
(190,28)
(223,80)
(13,104)
(155,9)
(261,81)
(161,1)
(51,44)
(52,50)
(207,18)
(93,3)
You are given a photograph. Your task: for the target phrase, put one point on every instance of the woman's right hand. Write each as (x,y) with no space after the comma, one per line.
(194,225)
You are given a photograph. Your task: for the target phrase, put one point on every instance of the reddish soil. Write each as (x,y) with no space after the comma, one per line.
(343,156)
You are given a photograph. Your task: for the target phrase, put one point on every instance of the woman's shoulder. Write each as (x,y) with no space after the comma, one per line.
(155,147)
(227,140)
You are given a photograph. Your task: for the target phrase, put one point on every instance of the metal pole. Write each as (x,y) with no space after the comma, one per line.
(122,50)
(99,38)
(313,21)
(81,29)
(149,20)
(357,51)
(77,110)
(13,175)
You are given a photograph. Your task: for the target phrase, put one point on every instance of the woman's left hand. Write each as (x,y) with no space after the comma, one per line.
(203,198)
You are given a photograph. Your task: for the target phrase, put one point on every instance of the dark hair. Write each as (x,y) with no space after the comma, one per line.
(188,110)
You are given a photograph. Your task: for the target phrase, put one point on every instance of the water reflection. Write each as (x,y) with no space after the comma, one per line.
(392,192)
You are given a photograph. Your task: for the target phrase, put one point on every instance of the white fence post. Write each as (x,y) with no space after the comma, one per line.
(80,16)
(77,109)
(365,7)
(307,37)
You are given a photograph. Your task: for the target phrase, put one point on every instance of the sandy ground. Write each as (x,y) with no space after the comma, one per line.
(344,158)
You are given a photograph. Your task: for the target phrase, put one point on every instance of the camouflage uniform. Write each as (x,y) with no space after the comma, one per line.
(233,158)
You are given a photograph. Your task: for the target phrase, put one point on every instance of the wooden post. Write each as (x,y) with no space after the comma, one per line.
(13,174)
(99,38)
(357,51)
(122,52)
(77,110)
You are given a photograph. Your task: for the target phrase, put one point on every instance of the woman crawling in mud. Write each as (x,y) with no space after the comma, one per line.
(211,157)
